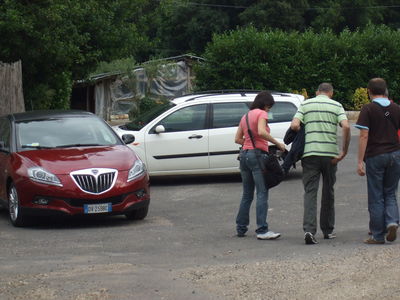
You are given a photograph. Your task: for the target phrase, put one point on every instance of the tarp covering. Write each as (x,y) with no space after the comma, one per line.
(100,108)
(170,80)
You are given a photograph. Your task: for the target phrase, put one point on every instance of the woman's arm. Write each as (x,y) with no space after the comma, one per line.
(262,131)
(239,137)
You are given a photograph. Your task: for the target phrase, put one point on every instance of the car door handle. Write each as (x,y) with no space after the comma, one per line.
(195,136)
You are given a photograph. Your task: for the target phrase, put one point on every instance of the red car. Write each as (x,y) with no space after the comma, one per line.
(68,163)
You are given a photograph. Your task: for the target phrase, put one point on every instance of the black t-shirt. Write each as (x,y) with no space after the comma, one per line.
(383,124)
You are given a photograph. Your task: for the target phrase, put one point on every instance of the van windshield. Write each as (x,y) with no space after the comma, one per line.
(142,120)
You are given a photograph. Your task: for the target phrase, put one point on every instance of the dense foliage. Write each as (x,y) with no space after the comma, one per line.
(60,41)
(185,25)
(275,60)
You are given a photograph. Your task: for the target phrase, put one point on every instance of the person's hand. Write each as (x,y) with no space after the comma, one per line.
(281,147)
(336,159)
(361,169)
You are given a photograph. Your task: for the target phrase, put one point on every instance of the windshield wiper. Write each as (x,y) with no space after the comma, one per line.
(78,145)
(36,146)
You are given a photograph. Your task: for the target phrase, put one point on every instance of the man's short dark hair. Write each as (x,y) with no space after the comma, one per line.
(377,86)
(262,100)
(325,87)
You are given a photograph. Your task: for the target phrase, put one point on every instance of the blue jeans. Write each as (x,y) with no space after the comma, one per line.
(252,178)
(383,174)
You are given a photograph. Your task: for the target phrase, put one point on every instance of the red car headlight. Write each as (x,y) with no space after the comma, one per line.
(41,175)
(137,170)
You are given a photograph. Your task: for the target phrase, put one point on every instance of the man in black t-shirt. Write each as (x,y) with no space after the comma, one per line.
(379,148)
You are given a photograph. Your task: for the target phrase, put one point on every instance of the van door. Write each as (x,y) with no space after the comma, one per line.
(183,143)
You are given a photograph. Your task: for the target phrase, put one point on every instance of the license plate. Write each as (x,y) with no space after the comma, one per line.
(97,208)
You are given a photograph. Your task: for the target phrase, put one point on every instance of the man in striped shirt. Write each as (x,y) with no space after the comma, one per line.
(321,115)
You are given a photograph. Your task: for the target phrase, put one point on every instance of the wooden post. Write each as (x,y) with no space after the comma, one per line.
(11,94)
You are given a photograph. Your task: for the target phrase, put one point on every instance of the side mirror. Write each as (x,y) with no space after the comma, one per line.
(128,138)
(159,129)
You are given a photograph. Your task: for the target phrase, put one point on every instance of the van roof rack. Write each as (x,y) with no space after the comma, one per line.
(227,91)
(242,92)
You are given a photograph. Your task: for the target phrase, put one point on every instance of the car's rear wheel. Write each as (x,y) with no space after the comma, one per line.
(14,209)
(138,214)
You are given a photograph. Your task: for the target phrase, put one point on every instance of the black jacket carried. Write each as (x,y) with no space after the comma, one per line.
(297,138)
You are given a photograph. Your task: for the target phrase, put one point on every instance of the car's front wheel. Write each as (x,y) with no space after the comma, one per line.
(14,209)
(138,214)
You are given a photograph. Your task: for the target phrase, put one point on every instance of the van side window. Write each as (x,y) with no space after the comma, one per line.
(228,114)
(281,112)
(186,119)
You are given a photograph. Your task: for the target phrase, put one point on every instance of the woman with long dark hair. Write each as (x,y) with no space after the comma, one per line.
(250,168)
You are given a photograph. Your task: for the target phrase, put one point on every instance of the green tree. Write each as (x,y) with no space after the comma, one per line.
(341,14)
(188,27)
(60,41)
(281,14)
(325,14)
(391,12)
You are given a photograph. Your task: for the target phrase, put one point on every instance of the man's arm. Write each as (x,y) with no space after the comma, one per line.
(295,125)
(345,140)
(362,146)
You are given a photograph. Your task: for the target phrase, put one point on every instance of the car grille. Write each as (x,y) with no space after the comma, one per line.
(96,180)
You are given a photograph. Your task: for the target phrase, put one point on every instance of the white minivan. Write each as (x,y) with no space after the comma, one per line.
(194,134)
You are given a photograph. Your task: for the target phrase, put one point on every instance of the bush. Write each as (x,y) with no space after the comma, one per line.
(118,65)
(146,104)
(302,92)
(54,94)
(359,98)
(274,60)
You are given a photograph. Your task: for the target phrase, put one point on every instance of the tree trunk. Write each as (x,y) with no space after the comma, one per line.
(11,95)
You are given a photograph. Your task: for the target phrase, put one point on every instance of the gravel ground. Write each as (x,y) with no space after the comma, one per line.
(369,273)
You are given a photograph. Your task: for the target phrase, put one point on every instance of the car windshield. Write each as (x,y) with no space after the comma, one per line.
(142,120)
(64,132)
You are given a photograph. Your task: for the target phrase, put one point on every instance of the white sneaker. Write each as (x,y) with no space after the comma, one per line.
(270,235)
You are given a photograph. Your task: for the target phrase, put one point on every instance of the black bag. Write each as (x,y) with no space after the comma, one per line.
(272,170)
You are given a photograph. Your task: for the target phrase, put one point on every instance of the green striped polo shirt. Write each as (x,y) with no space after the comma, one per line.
(321,115)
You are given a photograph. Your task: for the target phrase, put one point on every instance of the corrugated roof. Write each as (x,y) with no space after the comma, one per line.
(102,76)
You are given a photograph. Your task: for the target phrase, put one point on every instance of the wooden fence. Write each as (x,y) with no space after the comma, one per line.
(11,95)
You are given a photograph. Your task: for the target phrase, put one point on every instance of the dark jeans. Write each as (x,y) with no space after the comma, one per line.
(313,167)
